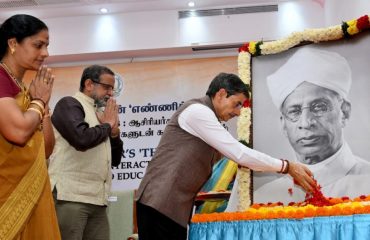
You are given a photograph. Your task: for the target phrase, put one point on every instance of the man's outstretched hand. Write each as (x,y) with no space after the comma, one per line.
(302,176)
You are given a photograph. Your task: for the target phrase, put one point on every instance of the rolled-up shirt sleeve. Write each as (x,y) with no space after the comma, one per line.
(69,119)
(200,121)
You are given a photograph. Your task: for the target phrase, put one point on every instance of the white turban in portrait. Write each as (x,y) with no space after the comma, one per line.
(320,67)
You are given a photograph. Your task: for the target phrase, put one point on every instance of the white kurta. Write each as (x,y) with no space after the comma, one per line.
(343,174)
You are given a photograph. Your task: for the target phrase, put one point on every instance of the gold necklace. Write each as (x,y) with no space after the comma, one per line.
(11,75)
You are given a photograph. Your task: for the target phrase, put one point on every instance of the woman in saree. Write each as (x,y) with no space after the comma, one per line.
(26,137)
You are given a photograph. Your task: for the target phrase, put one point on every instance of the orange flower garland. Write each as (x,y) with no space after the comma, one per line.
(340,206)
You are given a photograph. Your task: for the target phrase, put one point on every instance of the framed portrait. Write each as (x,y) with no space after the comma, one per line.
(309,104)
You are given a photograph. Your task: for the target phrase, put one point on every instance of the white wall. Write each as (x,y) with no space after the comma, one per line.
(337,11)
(120,32)
(162,29)
(159,33)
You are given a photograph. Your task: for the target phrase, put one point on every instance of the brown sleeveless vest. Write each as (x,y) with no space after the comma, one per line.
(179,168)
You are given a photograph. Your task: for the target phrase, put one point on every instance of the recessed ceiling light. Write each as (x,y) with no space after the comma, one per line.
(103,10)
(191,4)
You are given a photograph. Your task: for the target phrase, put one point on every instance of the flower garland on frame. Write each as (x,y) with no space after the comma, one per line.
(247,50)
(243,129)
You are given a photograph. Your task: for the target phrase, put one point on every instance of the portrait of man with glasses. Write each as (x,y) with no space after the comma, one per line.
(311,92)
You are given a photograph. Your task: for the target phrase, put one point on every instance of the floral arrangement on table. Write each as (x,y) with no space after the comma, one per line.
(345,30)
(334,207)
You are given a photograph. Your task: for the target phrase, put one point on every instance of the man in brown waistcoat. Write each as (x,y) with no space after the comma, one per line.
(185,156)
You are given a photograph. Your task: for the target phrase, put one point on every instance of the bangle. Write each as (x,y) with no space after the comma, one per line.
(286,170)
(39,99)
(282,166)
(39,103)
(37,111)
(38,107)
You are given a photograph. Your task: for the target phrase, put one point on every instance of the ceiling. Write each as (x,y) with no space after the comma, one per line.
(65,8)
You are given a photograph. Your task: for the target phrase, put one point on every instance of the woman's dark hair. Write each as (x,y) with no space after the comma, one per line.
(93,73)
(19,27)
(230,82)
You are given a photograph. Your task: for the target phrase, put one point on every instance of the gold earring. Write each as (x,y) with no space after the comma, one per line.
(12,51)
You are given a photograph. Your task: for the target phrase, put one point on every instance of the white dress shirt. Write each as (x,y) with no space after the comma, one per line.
(200,121)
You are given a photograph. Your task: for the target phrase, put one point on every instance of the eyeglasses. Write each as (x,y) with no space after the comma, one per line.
(107,87)
(317,108)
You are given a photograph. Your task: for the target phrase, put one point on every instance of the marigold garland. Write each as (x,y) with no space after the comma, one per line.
(247,50)
(341,206)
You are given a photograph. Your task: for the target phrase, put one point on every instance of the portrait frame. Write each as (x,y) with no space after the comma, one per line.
(345,31)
